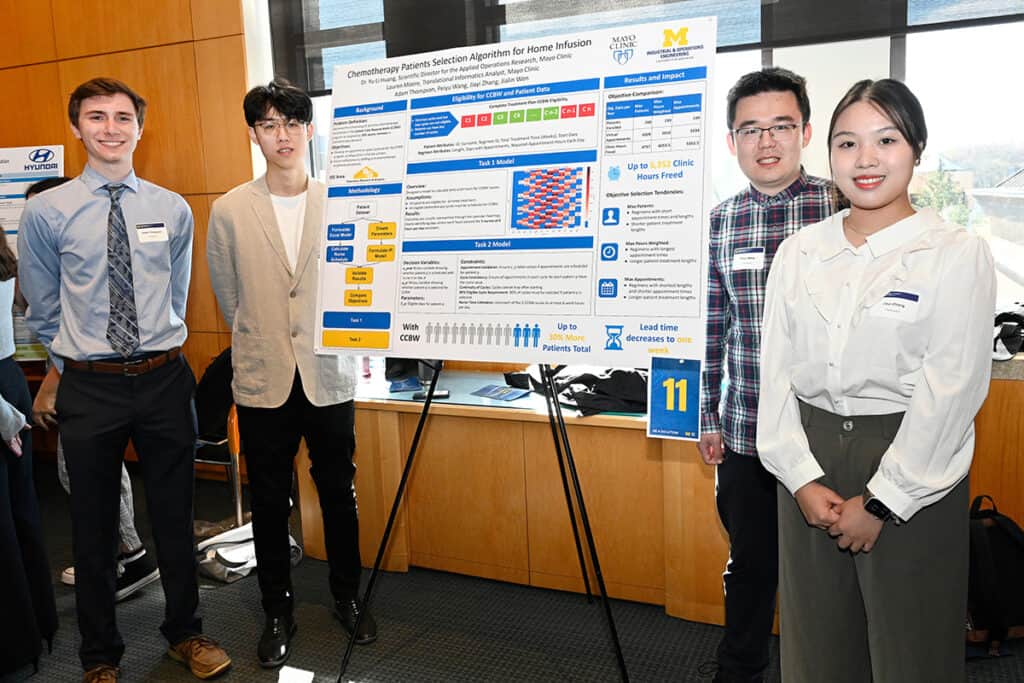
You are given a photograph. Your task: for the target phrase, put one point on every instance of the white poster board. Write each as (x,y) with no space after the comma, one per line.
(20,167)
(534,201)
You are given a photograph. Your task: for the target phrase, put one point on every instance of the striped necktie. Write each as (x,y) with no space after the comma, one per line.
(123,323)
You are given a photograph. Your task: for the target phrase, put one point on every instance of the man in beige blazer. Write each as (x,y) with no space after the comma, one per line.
(262,249)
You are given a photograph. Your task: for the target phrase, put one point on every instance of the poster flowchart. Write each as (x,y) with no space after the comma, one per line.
(534,201)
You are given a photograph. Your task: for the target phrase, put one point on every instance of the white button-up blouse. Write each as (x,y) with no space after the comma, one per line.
(902,323)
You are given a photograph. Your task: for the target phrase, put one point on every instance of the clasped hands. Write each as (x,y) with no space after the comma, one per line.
(854,528)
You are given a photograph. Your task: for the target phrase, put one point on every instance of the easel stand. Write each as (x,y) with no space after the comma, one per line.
(565,461)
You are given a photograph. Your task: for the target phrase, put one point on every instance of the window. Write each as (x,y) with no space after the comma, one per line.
(972,171)
(739,22)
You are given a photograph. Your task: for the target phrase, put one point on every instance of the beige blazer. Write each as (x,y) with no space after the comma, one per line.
(272,310)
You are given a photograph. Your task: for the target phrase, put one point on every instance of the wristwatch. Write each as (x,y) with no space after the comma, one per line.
(876,507)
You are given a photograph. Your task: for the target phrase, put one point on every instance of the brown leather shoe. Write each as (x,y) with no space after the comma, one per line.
(201,655)
(103,673)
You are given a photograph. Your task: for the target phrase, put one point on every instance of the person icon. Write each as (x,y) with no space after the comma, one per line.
(610,216)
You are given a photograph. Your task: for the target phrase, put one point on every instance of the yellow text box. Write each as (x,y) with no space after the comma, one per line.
(356,339)
(380,252)
(383,231)
(358,276)
(358,297)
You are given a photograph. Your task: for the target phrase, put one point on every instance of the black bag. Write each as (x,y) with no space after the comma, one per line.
(995,602)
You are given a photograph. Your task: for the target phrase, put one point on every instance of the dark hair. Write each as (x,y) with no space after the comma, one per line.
(289,100)
(104,87)
(769,79)
(897,102)
(44,185)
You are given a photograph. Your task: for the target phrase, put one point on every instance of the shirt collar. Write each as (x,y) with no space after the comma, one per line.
(794,189)
(94,180)
(833,241)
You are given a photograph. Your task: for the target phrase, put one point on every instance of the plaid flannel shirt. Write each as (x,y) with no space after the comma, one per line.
(747,220)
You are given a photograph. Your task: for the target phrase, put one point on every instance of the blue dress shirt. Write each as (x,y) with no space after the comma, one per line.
(62,267)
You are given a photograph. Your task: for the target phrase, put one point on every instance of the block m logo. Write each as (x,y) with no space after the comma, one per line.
(675,37)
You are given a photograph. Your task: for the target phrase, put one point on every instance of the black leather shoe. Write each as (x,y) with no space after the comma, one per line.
(276,642)
(347,611)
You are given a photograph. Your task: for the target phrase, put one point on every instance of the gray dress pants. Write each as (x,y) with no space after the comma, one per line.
(894,615)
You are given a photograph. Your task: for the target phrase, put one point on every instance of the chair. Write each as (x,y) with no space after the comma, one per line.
(219,442)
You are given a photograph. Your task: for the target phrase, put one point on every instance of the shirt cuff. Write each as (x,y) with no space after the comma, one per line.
(14,426)
(802,474)
(57,362)
(898,502)
(709,422)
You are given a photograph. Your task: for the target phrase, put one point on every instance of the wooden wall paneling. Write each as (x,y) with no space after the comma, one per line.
(379,460)
(104,26)
(216,18)
(28,33)
(479,366)
(696,547)
(998,468)
(620,475)
(200,348)
(171,150)
(467,497)
(220,73)
(33,95)
(203,313)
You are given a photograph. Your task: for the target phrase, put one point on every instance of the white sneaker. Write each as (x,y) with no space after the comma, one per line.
(67,577)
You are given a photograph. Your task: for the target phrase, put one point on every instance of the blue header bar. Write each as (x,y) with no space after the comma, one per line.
(514,92)
(360,190)
(501,244)
(507,161)
(343,320)
(367,109)
(697,73)
(656,106)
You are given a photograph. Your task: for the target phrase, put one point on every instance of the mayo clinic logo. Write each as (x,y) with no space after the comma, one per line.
(675,37)
(40,156)
(623,48)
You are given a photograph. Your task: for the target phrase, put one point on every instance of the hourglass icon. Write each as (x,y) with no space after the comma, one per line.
(614,340)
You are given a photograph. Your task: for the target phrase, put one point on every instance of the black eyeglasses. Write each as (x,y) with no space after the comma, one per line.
(780,132)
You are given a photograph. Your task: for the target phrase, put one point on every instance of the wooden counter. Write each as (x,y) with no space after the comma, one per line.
(485,498)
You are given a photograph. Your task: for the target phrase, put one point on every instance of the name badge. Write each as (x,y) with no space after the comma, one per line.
(151,232)
(751,258)
(898,306)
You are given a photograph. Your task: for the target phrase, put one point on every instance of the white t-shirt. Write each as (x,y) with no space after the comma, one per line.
(291,214)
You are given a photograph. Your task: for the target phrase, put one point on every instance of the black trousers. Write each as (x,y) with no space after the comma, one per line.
(746,497)
(98,413)
(270,439)
(26,590)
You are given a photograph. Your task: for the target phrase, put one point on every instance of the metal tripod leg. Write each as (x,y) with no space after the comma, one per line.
(548,376)
(368,596)
(588,533)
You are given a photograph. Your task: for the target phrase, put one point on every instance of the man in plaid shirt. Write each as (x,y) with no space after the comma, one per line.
(768,113)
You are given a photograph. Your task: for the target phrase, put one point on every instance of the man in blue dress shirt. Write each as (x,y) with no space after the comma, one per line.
(105,265)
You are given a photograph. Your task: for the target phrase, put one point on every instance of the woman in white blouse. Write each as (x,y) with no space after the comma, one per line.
(875,359)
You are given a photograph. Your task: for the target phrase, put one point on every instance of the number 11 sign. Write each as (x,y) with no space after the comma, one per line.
(673,399)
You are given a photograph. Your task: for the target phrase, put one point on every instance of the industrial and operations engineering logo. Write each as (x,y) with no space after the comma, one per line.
(623,47)
(675,37)
(674,45)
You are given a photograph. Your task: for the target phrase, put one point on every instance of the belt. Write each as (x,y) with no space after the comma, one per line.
(128,368)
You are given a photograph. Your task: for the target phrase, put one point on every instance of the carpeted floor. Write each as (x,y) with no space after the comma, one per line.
(434,626)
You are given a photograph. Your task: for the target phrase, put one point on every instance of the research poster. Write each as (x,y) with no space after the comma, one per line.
(20,167)
(533,201)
